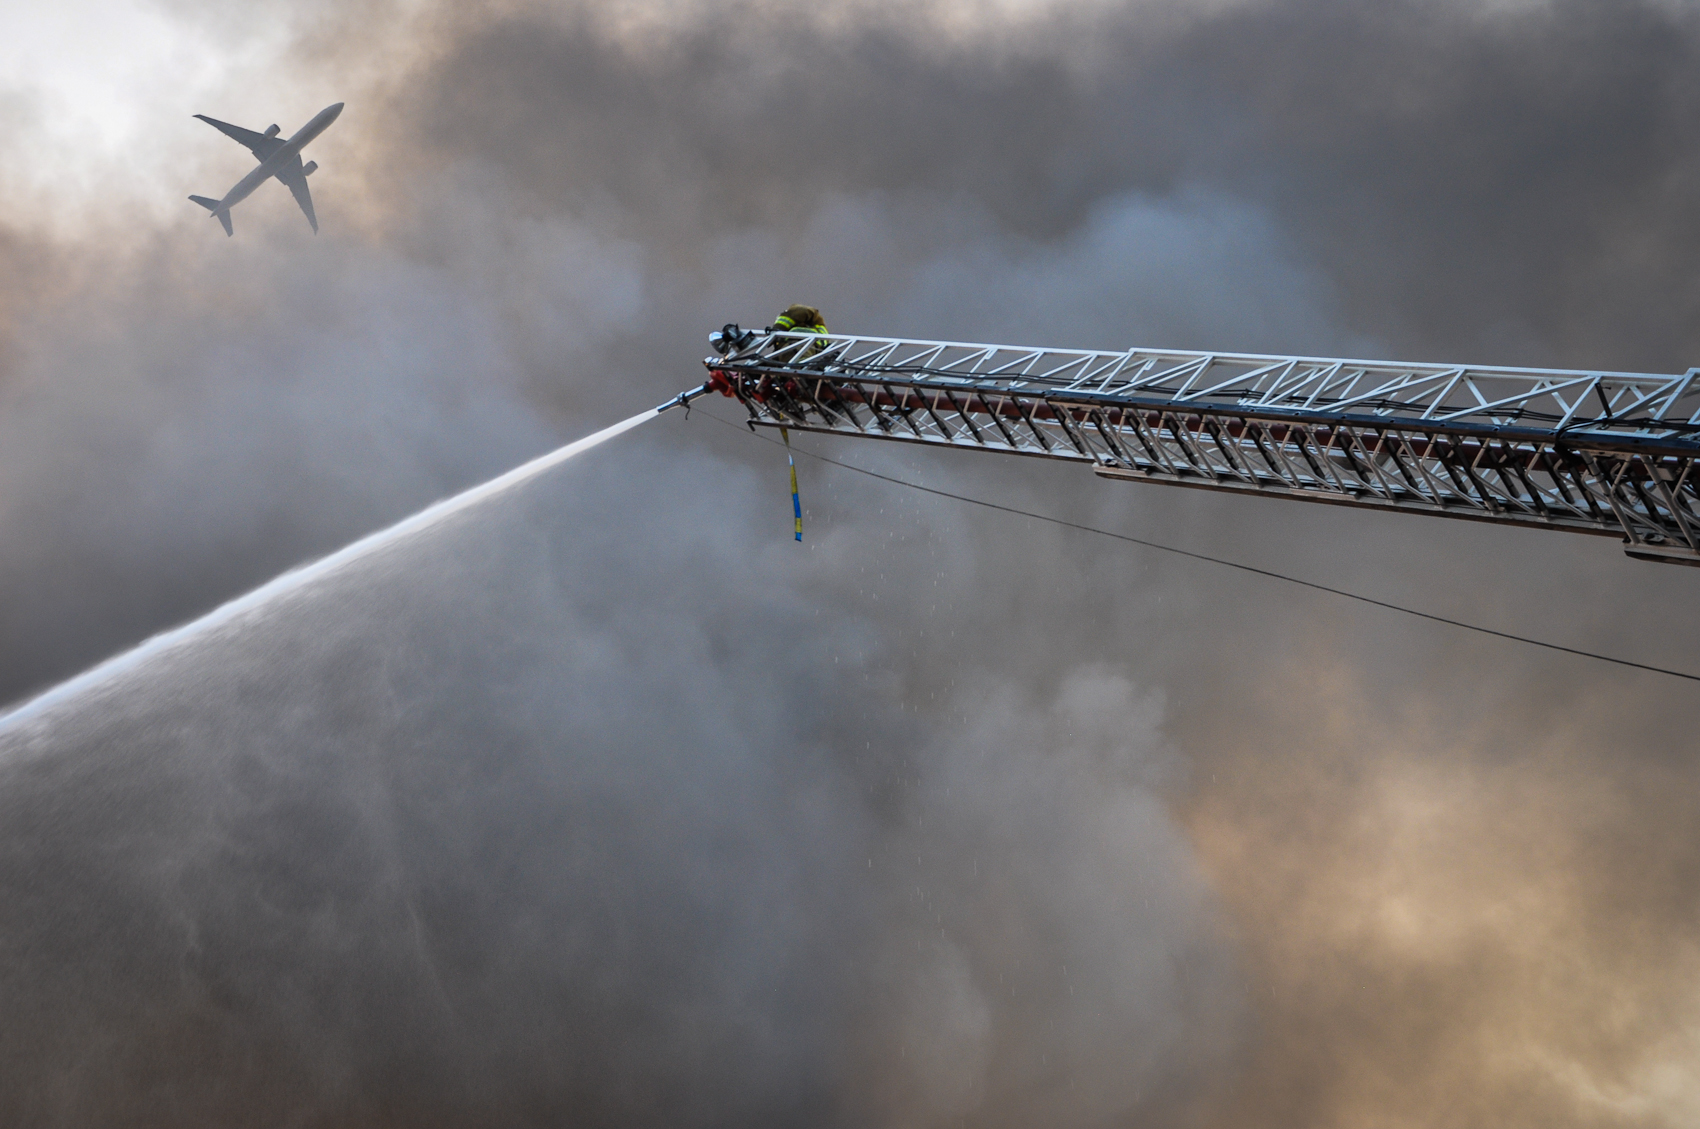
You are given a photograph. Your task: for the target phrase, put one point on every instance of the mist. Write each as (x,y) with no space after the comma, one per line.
(609,804)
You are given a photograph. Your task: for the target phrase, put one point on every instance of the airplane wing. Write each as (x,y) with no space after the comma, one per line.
(295,176)
(258,143)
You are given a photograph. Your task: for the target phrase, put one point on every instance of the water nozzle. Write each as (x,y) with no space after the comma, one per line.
(683,398)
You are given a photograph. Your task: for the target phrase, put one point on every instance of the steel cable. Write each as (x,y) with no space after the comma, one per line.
(1253,569)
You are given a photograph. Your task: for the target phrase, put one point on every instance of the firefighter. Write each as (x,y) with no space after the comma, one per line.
(801,319)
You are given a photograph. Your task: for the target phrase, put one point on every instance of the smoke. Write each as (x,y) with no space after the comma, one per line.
(612,805)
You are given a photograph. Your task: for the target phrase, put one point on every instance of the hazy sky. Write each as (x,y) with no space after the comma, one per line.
(609,804)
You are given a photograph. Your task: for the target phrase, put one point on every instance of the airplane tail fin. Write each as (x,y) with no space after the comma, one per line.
(212,206)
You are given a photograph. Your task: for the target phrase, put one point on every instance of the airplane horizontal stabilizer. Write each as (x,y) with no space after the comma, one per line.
(212,206)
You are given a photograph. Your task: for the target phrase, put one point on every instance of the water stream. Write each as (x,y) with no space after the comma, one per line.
(298,578)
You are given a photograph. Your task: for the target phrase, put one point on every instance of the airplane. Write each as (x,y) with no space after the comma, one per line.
(278,158)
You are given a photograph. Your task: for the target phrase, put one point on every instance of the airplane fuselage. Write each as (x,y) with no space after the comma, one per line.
(268,168)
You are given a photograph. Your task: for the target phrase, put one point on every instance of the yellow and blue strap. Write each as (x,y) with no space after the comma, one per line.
(796,503)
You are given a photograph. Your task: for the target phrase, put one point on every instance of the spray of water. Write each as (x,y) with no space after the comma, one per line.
(299,578)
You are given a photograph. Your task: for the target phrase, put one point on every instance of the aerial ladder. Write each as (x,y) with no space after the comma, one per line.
(1582,451)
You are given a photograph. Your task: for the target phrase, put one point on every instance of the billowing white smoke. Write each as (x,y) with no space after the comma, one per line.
(557,815)
(1039,899)
(614,806)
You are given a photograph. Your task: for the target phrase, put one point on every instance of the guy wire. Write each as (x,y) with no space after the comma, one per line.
(1253,569)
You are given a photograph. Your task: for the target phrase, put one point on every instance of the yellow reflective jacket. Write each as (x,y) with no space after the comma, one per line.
(803,319)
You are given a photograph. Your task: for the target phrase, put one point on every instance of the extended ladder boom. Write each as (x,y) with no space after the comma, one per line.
(1590,452)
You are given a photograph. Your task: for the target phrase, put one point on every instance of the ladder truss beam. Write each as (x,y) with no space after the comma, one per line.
(1589,452)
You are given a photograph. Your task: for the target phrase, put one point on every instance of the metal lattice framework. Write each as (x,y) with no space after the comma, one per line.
(1590,452)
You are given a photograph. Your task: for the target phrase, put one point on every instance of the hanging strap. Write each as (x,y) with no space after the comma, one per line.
(796,503)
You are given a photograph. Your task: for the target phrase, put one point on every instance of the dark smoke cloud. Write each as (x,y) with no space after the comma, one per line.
(610,805)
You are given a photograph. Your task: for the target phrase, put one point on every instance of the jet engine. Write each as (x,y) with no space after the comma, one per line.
(307,169)
(271,131)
